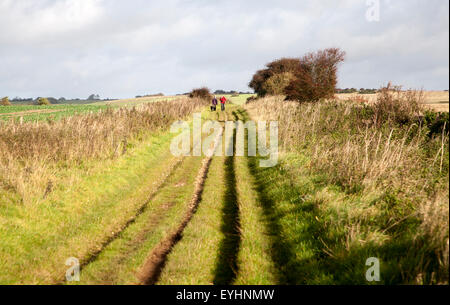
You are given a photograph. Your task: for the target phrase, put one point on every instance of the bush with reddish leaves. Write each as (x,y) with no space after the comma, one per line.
(310,78)
(316,76)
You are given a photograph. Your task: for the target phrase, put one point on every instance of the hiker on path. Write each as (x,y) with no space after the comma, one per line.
(223,100)
(214,104)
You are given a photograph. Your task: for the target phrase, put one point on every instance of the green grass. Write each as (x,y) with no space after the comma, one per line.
(122,258)
(65,110)
(227,240)
(308,244)
(192,261)
(310,221)
(241,99)
(80,215)
(330,215)
(256,266)
(280,225)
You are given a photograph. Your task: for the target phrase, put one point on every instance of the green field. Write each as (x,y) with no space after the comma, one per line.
(50,112)
(56,112)
(240,99)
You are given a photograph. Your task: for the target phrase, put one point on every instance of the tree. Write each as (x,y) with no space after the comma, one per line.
(43,101)
(310,78)
(5,101)
(316,76)
(93,97)
(258,80)
(280,66)
(52,100)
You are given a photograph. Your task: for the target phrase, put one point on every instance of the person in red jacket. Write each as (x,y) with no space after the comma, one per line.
(223,100)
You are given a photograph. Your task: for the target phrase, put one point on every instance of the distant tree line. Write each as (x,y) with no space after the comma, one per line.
(232,92)
(51,100)
(150,95)
(354,90)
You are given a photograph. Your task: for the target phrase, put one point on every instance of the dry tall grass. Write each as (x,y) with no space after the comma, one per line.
(30,152)
(381,148)
(437,100)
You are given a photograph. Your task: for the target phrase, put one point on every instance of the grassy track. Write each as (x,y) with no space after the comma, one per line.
(130,257)
(150,217)
(192,261)
(240,100)
(75,221)
(256,266)
(227,240)
(118,263)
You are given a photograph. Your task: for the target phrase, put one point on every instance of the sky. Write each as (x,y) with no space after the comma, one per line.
(119,49)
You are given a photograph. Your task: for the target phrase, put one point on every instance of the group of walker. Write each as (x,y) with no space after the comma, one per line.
(223,100)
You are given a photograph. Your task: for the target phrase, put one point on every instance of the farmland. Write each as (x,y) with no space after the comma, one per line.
(38,113)
(101,185)
(56,112)
(436,100)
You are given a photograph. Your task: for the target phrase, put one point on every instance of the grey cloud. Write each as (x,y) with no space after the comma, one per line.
(118,48)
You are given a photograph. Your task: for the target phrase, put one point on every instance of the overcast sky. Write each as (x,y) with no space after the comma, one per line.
(117,48)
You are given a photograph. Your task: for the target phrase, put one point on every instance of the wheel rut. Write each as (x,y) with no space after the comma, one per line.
(151,270)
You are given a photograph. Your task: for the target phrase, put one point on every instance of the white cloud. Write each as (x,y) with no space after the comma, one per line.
(43,21)
(122,48)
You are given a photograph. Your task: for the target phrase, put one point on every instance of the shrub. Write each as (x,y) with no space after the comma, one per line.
(277,83)
(396,106)
(258,80)
(201,93)
(5,101)
(251,99)
(43,101)
(310,78)
(316,76)
(280,66)
(437,122)
(284,65)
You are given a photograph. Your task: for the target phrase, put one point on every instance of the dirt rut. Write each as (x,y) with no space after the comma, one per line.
(158,185)
(150,272)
